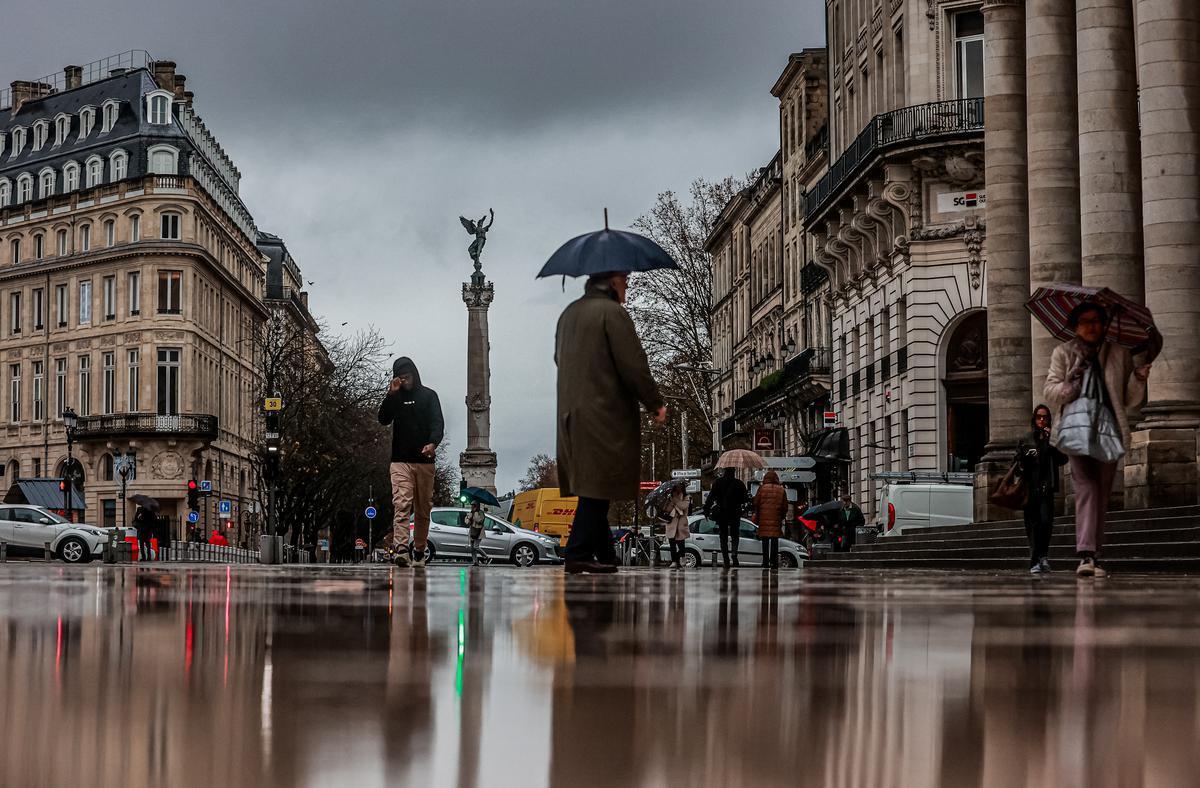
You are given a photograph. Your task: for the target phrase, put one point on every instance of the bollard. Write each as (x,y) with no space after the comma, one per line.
(46,555)
(3,552)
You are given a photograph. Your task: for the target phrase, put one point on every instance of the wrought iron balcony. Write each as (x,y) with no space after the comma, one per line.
(924,122)
(146,425)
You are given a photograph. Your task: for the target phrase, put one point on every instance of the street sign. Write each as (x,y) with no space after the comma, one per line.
(193,517)
(206,486)
(693,486)
(764,440)
(831,418)
(360,544)
(225,509)
(796,477)
(685,473)
(322,544)
(648,486)
(273,404)
(790,463)
(370,512)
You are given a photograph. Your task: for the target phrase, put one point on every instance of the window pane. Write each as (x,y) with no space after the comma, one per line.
(973,69)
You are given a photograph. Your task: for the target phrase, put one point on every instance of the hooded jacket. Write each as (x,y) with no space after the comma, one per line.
(770,507)
(415,416)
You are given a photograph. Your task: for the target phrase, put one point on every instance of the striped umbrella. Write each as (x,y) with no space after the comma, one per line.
(1130,324)
(741,459)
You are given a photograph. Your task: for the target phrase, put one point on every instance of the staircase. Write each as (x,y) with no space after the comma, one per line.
(1145,540)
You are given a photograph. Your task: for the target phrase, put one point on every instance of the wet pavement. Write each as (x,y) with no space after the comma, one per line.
(307,676)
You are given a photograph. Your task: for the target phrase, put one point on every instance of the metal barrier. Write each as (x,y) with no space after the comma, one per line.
(202,552)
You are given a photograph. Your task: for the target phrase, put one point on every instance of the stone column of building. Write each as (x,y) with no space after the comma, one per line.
(1006,175)
(1161,467)
(478,463)
(1109,163)
(1053,160)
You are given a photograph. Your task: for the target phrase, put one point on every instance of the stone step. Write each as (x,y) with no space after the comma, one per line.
(1061,550)
(991,530)
(1187,531)
(1185,565)
(1117,516)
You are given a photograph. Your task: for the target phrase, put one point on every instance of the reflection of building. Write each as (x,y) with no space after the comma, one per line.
(131,285)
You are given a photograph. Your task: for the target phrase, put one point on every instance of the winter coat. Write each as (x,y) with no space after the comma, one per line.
(770,507)
(602,376)
(218,538)
(726,500)
(145,523)
(1125,391)
(415,416)
(475,523)
(1039,464)
(678,510)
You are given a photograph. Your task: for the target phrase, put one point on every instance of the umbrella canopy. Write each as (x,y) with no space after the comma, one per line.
(741,459)
(481,495)
(146,502)
(822,508)
(606,251)
(662,493)
(1130,324)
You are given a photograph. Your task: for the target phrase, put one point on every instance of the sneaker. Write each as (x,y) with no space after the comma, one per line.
(401,559)
(1086,568)
(1036,569)
(1044,564)
(1099,572)
(418,561)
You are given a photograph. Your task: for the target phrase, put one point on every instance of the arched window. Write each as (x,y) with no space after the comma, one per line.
(110,110)
(118,166)
(18,144)
(164,160)
(3,139)
(110,232)
(95,171)
(70,177)
(5,192)
(24,187)
(62,127)
(15,248)
(158,107)
(41,130)
(87,121)
(46,179)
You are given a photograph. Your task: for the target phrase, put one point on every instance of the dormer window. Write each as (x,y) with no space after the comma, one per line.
(18,143)
(3,139)
(70,177)
(62,128)
(164,159)
(5,192)
(87,121)
(24,187)
(95,171)
(46,180)
(118,166)
(41,130)
(110,109)
(158,107)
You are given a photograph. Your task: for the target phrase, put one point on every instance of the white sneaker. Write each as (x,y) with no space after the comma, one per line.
(401,559)
(1044,564)
(1086,568)
(417,561)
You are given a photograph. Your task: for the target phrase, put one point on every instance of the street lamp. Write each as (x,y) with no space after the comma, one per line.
(789,346)
(70,420)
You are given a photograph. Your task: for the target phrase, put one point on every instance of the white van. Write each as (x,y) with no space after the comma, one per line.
(905,507)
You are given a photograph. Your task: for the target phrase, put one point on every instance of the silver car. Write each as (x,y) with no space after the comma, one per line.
(704,546)
(28,529)
(502,541)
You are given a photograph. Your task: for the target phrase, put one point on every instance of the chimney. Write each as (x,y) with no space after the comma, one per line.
(180,81)
(73,75)
(188,96)
(164,74)
(23,91)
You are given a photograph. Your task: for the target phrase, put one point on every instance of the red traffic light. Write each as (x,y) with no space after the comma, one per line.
(62,486)
(192,484)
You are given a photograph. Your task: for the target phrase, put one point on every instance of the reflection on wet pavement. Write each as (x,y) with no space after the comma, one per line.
(253,676)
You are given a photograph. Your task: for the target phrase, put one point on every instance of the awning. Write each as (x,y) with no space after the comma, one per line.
(44,493)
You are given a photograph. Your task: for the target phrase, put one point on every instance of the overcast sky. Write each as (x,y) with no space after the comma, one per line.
(364,129)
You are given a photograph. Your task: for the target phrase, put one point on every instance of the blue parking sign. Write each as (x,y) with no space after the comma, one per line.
(371,512)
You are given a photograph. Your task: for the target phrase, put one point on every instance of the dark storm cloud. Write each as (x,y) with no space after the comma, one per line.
(364,129)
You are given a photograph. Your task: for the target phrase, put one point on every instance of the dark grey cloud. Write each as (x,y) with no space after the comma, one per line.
(363,131)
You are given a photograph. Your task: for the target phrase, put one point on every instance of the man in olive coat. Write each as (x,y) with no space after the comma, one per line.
(602,376)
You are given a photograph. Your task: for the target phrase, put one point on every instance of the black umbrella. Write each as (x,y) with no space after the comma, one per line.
(479,494)
(146,502)
(822,508)
(606,251)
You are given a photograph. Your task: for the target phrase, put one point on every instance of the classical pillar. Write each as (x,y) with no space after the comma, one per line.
(1053,159)
(478,463)
(1161,467)
(1109,163)
(1006,177)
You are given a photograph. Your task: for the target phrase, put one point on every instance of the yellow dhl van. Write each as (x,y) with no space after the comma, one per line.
(544,511)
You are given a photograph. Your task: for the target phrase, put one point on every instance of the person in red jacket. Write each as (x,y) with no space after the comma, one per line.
(218,538)
(770,509)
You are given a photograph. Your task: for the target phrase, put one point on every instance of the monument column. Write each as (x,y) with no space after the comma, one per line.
(1109,160)
(1053,158)
(1161,467)
(1006,175)
(478,463)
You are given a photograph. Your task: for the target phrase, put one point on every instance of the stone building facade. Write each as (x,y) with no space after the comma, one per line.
(130,289)
(1093,171)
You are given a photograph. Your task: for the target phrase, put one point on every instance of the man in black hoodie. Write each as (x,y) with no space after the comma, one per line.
(415,414)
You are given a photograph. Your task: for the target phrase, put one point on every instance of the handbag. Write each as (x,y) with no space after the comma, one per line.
(1087,427)
(1011,492)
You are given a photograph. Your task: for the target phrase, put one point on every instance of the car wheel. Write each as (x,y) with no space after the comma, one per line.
(74,550)
(788,561)
(524,554)
(691,559)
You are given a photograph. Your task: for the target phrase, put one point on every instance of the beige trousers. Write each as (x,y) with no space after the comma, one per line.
(412,494)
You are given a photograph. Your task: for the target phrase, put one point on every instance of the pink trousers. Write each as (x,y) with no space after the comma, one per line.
(1093,481)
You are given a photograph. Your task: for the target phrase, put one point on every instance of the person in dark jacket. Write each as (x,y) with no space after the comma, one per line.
(850,517)
(770,509)
(1039,467)
(144,522)
(724,505)
(415,414)
(603,375)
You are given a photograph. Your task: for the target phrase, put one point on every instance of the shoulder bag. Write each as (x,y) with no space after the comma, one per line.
(1011,492)
(1087,427)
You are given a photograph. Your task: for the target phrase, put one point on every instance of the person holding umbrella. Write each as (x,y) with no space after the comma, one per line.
(145,520)
(1093,382)
(603,375)
(677,531)
(477,520)
(724,505)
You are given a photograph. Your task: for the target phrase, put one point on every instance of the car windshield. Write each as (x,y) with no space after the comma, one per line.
(37,514)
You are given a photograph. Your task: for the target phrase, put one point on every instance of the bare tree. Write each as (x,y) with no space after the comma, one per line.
(543,472)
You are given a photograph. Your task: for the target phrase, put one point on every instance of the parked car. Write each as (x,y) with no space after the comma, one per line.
(501,541)
(705,541)
(906,507)
(28,528)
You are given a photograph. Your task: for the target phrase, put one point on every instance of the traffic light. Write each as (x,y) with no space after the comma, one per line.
(462,496)
(193,494)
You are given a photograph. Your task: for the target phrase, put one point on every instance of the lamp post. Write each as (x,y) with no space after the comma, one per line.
(70,420)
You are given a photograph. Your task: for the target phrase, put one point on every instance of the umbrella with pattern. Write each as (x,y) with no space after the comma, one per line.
(1129,323)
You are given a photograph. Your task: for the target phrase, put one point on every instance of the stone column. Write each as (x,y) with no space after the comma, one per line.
(1006,176)
(478,463)
(1109,163)
(1053,160)
(1161,467)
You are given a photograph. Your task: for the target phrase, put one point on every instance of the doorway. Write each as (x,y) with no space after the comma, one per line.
(966,387)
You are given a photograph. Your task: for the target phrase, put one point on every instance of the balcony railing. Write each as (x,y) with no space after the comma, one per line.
(146,424)
(905,125)
(817,143)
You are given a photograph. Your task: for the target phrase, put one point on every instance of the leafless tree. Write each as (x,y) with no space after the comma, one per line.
(543,472)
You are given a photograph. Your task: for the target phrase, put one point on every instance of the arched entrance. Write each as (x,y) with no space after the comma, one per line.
(966,389)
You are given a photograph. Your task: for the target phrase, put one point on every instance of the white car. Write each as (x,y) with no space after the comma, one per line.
(905,508)
(705,545)
(26,529)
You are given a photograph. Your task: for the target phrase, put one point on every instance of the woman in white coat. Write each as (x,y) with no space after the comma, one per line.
(678,509)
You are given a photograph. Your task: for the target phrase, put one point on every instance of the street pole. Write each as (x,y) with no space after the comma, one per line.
(684,437)
(370,525)
(69,421)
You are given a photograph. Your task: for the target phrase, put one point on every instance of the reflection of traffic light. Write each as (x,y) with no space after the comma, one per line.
(193,494)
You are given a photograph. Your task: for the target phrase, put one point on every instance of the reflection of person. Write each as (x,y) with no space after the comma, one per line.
(415,414)
(602,376)
(144,523)
(677,529)
(770,507)
(1123,388)
(724,505)
(1039,467)
(475,523)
